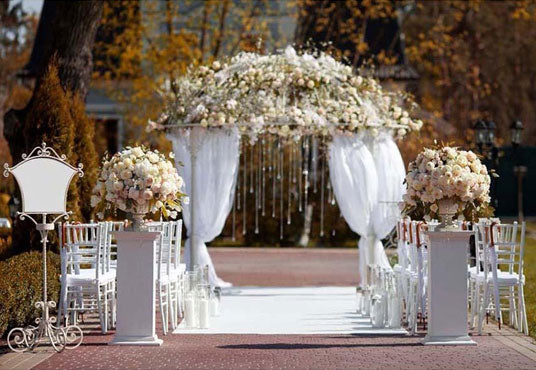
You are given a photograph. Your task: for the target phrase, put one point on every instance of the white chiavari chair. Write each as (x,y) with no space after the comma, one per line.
(168,268)
(176,273)
(503,275)
(405,251)
(418,277)
(87,279)
(474,289)
(400,267)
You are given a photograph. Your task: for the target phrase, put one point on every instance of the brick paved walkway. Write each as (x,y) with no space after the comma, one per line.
(504,349)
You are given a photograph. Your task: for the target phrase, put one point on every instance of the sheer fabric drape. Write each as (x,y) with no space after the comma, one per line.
(391,173)
(216,156)
(367,176)
(355,182)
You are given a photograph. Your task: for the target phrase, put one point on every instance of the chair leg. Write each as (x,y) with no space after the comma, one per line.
(483,308)
(522,311)
(513,314)
(104,298)
(61,305)
(474,297)
(162,308)
(101,313)
(114,305)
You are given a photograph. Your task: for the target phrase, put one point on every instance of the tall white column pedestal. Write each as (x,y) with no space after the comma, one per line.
(136,289)
(447,288)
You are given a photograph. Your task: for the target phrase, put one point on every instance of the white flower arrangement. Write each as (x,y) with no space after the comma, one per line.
(289,94)
(138,180)
(446,173)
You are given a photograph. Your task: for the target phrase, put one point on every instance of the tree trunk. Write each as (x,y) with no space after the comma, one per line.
(66,34)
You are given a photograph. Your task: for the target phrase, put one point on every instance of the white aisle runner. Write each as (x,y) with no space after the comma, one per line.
(303,310)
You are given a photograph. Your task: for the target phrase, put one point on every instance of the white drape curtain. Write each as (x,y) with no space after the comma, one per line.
(355,182)
(216,156)
(367,175)
(391,173)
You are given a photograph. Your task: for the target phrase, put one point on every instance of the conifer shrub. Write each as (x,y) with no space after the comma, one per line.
(21,281)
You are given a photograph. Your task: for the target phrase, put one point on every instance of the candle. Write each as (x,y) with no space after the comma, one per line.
(189,312)
(204,313)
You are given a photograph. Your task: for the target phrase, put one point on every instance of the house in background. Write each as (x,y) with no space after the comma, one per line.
(109,121)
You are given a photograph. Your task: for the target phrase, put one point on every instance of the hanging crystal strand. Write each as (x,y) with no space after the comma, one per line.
(257,189)
(263,162)
(251,165)
(244,189)
(322,180)
(280,176)
(300,174)
(333,201)
(314,163)
(295,162)
(274,175)
(290,166)
(238,188)
(306,173)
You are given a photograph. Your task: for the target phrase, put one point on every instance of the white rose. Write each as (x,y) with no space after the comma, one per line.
(133,193)
(118,185)
(126,174)
(137,151)
(166,188)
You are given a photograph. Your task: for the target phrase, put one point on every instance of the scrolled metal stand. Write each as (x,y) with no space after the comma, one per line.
(60,337)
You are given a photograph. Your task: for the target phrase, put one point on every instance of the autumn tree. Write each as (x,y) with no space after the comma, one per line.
(143,44)
(61,66)
(16,35)
(477,59)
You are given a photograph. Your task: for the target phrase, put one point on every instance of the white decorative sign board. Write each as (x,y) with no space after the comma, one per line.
(43,177)
(43,182)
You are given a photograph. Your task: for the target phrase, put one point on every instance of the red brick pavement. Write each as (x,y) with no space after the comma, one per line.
(289,351)
(287,267)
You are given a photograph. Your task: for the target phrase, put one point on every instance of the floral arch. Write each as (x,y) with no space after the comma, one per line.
(304,109)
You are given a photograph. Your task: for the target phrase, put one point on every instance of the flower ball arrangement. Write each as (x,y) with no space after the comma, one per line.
(447,173)
(138,181)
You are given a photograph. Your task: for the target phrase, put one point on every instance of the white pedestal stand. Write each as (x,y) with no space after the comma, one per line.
(447,288)
(136,289)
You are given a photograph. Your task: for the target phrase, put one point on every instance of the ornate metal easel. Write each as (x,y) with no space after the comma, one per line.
(60,337)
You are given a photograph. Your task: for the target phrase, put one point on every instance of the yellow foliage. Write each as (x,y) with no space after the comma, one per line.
(150,49)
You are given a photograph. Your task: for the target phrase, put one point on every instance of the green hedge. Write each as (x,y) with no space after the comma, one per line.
(21,279)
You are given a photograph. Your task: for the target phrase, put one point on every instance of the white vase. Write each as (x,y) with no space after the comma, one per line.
(447,210)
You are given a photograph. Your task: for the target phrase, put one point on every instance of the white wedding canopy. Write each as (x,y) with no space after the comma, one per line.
(366,173)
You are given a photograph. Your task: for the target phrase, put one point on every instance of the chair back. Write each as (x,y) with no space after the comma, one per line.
(86,246)
(114,226)
(176,239)
(507,245)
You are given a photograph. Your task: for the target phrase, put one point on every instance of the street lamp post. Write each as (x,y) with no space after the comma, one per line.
(516,129)
(481,134)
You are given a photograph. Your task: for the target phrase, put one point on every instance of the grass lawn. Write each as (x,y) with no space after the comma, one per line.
(530,276)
